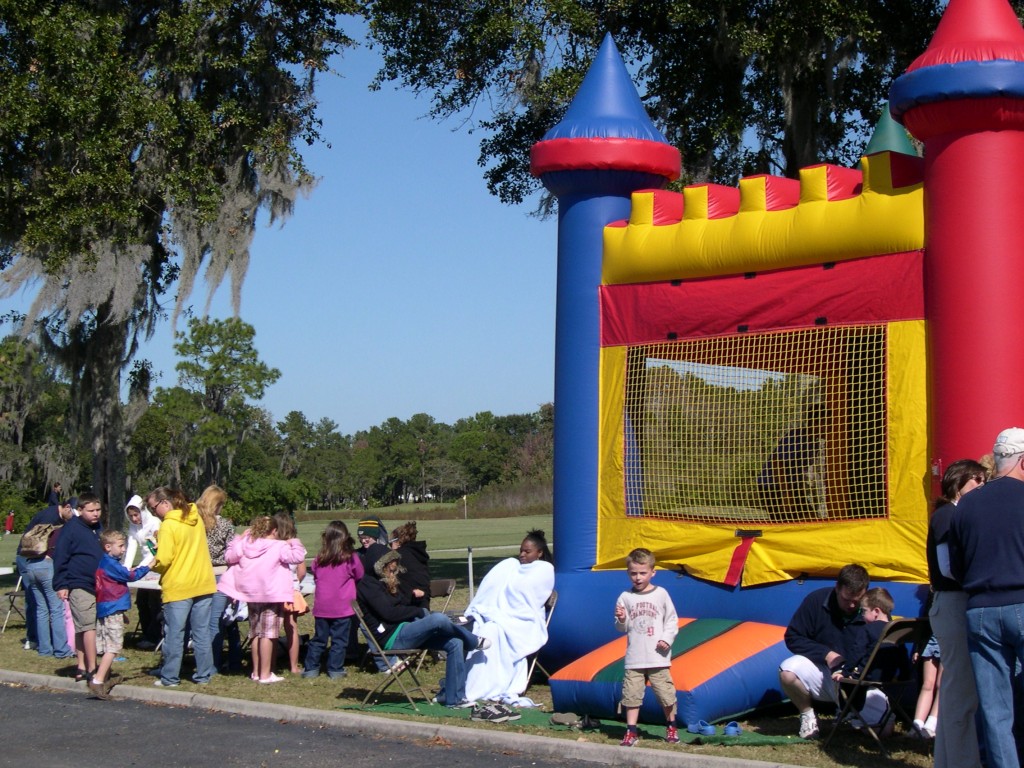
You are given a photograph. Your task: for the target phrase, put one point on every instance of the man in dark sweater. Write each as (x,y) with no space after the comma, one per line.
(817,635)
(75,560)
(986,555)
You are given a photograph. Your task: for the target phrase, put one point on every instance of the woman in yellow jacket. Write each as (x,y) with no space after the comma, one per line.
(186,580)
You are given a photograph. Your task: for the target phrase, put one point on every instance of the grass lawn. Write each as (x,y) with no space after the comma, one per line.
(492,539)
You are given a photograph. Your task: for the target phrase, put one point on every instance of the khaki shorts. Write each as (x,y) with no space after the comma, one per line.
(110,633)
(83,609)
(633,685)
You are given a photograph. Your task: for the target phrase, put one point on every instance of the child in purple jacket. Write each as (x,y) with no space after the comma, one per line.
(112,602)
(336,570)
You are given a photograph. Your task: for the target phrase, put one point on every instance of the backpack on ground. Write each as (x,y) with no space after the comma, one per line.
(34,541)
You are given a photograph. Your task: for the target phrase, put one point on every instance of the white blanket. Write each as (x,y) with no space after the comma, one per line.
(509,611)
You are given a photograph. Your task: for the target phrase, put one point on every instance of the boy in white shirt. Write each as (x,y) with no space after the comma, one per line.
(648,617)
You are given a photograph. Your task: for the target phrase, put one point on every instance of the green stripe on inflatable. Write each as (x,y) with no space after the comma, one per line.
(692,635)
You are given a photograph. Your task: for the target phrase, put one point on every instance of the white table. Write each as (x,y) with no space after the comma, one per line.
(307,586)
(145,583)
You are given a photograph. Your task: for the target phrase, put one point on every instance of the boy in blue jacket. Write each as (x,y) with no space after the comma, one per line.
(112,602)
(75,560)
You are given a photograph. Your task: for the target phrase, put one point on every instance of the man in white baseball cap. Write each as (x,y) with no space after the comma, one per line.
(986,552)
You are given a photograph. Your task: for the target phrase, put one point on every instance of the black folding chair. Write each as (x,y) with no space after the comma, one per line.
(897,634)
(399,663)
(13,596)
(439,588)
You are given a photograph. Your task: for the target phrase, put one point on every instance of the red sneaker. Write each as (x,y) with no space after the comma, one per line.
(672,735)
(630,739)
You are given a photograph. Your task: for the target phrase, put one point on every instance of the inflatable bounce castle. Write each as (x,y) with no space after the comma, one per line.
(761,384)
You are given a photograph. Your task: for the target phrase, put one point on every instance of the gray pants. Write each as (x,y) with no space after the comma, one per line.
(956,738)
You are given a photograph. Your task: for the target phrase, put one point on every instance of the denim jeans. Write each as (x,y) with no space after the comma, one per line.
(438,633)
(195,610)
(335,630)
(48,619)
(995,638)
(30,600)
(221,630)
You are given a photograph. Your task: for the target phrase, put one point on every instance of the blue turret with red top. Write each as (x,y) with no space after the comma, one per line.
(603,150)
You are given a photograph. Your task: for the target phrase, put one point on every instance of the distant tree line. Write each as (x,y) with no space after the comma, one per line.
(208,429)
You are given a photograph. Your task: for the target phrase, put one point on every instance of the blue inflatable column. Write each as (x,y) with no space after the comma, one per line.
(604,149)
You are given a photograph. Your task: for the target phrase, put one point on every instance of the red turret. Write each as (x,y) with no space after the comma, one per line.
(964,98)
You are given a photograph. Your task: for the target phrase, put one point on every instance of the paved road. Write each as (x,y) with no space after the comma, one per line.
(51,722)
(70,730)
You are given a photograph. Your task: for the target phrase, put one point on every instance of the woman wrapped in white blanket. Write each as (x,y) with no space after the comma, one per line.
(508,609)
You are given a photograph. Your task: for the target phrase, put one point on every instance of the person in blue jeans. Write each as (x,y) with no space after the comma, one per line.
(186,579)
(398,625)
(986,556)
(44,610)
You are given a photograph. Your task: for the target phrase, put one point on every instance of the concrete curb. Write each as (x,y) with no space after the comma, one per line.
(371,726)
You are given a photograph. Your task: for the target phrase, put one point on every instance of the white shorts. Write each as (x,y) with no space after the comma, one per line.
(816,677)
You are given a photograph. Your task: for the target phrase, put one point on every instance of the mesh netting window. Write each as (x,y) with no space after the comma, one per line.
(758,428)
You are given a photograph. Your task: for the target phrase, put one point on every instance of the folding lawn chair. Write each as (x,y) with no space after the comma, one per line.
(442,588)
(549,609)
(397,669)
(897,633)
(438,588)
(13,596)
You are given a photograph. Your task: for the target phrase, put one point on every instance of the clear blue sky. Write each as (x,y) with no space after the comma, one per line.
(400,285)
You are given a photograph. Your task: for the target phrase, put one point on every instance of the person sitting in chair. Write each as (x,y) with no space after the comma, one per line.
(399,625)
(823,625)
(509,610)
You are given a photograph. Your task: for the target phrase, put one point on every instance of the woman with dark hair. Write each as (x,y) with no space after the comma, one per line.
(535,547)
(956,741)
(416,562)
(508,610)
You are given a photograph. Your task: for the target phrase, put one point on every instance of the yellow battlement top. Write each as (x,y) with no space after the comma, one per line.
(837,214)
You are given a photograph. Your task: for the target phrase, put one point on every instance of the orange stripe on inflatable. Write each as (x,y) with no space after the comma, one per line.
(588,666)
(697,666)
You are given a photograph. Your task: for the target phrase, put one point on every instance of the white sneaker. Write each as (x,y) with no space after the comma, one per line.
(808,725)
(30,646)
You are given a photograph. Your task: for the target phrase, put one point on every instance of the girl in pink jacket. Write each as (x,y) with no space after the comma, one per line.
(258,573)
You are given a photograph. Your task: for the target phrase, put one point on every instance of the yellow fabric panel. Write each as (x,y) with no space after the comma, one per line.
(907,446)
(879,220)
(611,483)
(893,549)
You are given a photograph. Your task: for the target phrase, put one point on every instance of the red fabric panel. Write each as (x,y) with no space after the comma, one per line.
(780,192)
(878,289)
(993,113)
(605,154)
(974,30)
(668,207)
(906,170)
(843,183)
(723,201)
(739,557)
(975,289)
